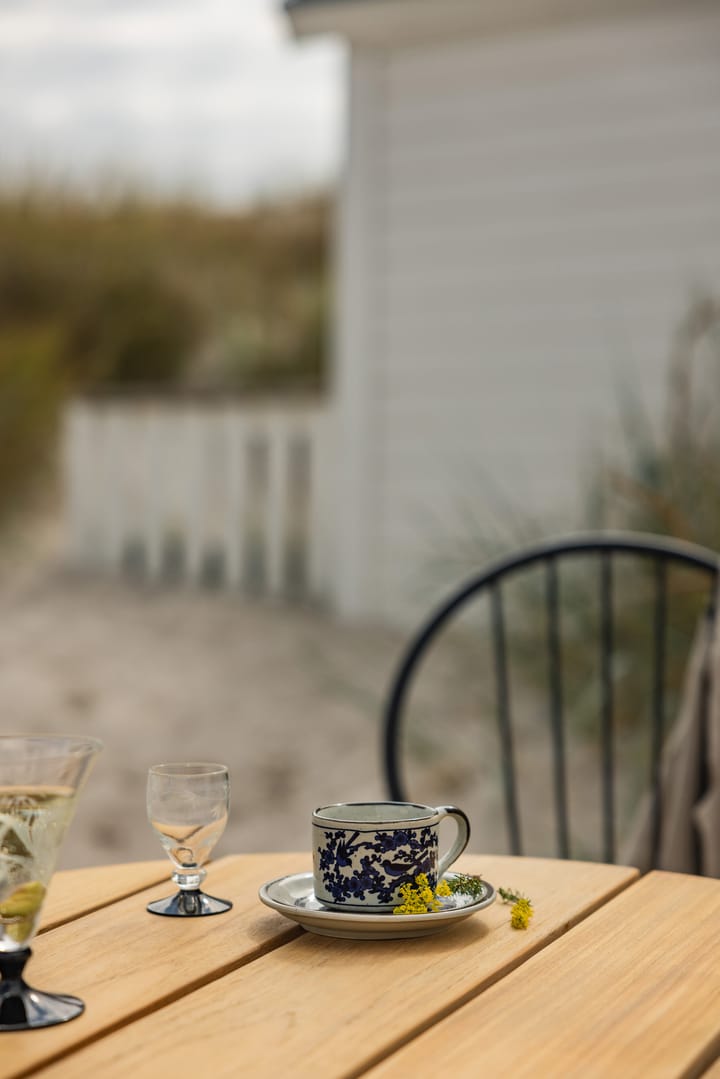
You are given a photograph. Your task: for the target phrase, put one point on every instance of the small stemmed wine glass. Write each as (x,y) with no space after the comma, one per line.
(187,806)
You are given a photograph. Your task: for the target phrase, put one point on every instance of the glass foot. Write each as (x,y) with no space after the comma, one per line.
(191,903)
(25,1008)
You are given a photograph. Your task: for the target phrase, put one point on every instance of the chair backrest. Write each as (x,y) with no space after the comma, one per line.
(654,557)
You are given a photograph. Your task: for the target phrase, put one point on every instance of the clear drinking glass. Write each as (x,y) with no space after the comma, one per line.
(187,806)
(40,777)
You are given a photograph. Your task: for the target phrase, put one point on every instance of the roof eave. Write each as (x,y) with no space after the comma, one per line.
(353,19)
(389,22)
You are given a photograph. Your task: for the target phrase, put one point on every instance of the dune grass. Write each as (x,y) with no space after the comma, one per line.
(98,293)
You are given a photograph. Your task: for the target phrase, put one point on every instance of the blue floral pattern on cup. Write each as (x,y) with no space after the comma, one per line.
(387,860)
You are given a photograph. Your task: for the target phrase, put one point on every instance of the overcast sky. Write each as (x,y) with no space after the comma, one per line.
(214,97)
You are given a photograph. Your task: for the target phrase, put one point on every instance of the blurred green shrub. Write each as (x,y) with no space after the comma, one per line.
(665,479)
(29,287)
(31,389)
(131,328)
(133,293)
(265,353)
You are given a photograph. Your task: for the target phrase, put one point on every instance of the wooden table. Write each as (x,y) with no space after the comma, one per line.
(616,976)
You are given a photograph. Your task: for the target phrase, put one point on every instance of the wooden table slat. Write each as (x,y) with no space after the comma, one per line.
(320,1006)
(713,1072)
(123,961)
(634,990)
(76,892)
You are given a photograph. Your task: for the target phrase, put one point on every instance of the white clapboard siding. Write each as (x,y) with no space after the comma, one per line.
(526,219)
(221,493)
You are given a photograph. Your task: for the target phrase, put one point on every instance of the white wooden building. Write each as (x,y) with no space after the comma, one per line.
(531,194)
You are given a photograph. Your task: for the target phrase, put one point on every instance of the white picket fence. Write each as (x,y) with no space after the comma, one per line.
(213,492)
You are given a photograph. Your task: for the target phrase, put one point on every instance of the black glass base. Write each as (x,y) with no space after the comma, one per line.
(25,1008)
(189,904)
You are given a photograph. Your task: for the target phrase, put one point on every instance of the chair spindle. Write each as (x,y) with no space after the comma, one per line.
(606,680)
(503,715)
(557,727)
(658,702)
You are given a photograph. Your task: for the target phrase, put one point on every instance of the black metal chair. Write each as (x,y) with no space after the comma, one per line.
(656,561)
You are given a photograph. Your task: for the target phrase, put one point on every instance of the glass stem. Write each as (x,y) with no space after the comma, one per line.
(190,878)
(12,965)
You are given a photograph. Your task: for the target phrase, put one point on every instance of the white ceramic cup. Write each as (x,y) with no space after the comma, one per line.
(364,851)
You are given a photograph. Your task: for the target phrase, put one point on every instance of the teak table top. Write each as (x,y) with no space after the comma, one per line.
(616,976)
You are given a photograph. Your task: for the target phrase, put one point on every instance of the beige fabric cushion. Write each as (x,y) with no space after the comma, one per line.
(707,810)
(690,816)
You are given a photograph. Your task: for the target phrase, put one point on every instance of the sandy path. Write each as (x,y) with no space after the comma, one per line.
(288,699)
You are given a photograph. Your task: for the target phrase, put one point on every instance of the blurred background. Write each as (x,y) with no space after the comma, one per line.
(305,313)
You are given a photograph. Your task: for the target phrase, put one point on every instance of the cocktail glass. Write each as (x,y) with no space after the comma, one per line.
(40,778)
(187,806)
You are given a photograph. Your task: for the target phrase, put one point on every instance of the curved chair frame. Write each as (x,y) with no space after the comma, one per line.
(662,551)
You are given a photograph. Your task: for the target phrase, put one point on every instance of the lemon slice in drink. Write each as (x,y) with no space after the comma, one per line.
(22,906)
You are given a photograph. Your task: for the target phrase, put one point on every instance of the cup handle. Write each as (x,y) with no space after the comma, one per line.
(463,825)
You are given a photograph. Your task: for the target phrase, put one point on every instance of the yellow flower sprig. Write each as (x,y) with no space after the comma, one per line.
(522,908)
(418,898)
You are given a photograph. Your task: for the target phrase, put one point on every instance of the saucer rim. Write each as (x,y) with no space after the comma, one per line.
(431,917)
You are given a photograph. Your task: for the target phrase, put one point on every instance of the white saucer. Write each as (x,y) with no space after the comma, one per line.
(293,896)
